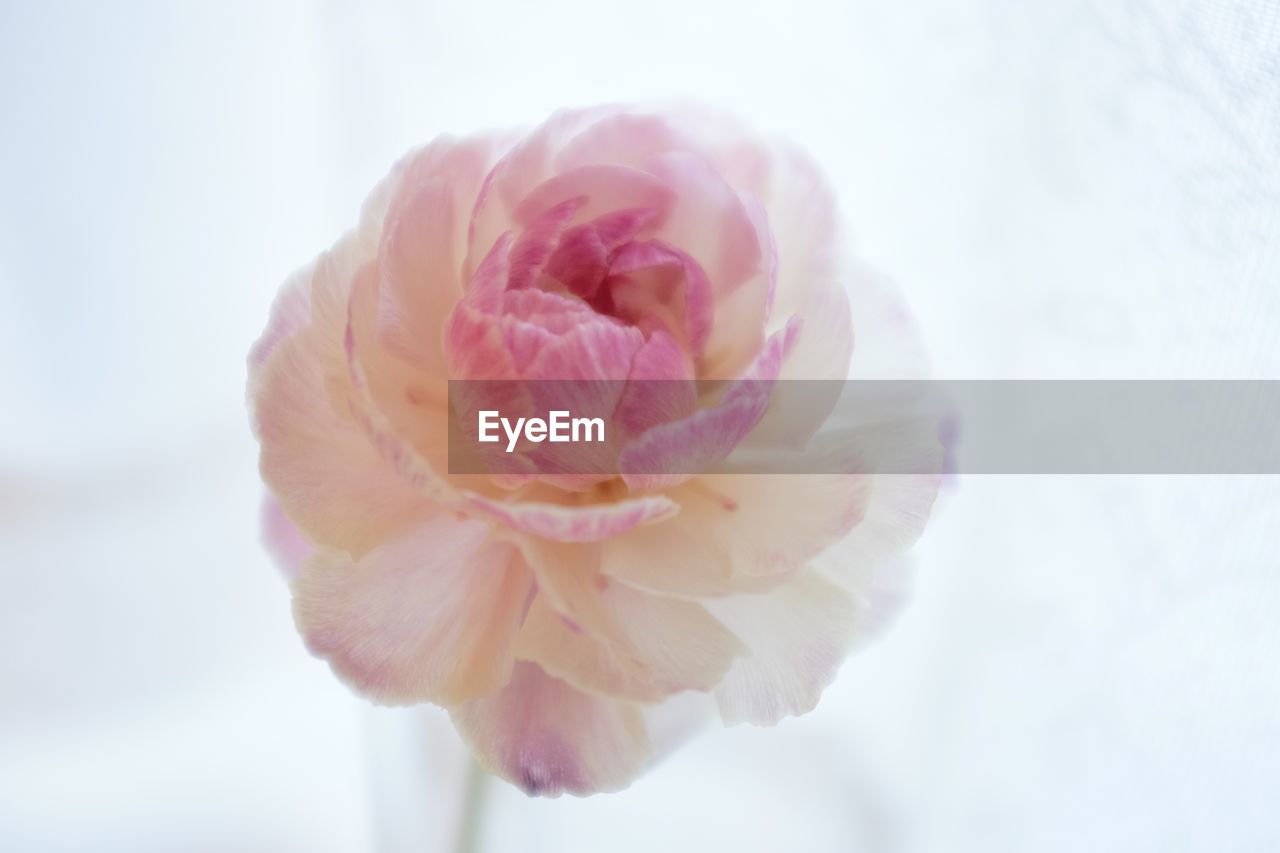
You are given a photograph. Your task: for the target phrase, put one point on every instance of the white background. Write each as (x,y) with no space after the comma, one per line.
(1062,189)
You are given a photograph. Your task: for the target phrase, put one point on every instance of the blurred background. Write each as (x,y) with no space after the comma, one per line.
(1075,188)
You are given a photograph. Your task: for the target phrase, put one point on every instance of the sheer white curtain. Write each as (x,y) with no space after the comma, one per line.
(1062,189)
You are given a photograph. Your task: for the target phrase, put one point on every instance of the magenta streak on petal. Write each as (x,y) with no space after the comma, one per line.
(552,310)
(515,175)
(481,202)
(486,287)
(601,348)
(524,339)
(660,388)
(581,261)
(620,226)
(474,346)
(538,241)
(532,319)
(671,453)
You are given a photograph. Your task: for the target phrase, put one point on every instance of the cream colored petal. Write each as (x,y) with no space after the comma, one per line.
(430,616)
(897,509)
(424,241)
(605,637)
(806,228)
(403,408)
(290,314)
(317,458)
(889,344)
(736,532)
(578,523)
(797,635)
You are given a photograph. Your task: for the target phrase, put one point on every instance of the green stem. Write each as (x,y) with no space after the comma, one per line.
(473,803)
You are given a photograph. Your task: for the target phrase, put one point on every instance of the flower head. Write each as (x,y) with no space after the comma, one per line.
(554,609)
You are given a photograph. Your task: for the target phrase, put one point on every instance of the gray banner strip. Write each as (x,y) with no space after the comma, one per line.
(887,427)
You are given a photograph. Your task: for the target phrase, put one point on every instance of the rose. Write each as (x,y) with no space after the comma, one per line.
(556,614)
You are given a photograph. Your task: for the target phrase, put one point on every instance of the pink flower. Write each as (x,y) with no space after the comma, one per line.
(556,616)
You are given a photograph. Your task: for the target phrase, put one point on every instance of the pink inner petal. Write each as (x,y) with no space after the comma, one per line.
(671,453)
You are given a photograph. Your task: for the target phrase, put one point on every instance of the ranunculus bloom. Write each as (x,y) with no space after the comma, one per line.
(556,617)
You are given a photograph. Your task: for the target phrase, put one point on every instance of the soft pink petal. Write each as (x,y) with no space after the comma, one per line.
(796,197)
(603,189)
(805,227)
(599,349)
(316,457)
(623,225)
(525,339)
(463,162)
(661,281)
(584,523)
(421,276)
(485,290)
(709,222)
(538,240)
(553,343)
(768,245)
(660,388)
(813,373)
(581,261)
(797,635)
(623,138)
(476,346)
(423,240)
(428,616)
(737,151)
(554,312)
(490,348)
(672,452)
(579,370)
(713,223)
(514,176)
(549,738)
